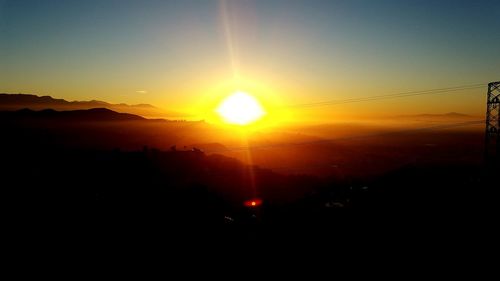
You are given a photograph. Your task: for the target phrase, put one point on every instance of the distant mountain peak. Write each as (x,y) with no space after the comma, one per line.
(24,98)
(456,114)
(34,102)
(101,109)
(444,115)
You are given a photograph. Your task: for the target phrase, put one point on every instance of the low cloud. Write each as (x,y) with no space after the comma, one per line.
(141,92)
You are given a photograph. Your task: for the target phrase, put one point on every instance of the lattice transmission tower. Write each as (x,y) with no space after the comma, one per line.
(492,144)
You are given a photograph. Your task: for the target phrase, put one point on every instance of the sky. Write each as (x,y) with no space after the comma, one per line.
(185,55)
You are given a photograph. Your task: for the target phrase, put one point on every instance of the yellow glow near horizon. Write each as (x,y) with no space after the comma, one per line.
(240,109)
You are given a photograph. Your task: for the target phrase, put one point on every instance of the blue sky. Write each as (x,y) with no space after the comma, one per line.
(174,52)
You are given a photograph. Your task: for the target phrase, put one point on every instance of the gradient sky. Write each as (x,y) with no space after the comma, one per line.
(178,54)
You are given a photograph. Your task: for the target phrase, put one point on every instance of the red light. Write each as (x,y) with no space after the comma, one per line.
(253,203)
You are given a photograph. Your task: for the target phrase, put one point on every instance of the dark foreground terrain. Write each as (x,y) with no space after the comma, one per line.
(101,198)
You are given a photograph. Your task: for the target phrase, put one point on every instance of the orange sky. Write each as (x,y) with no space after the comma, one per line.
(186,56)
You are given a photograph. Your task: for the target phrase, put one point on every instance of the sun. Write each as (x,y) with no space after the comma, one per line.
(240,109)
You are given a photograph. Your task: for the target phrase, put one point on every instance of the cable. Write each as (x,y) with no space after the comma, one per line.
(370,98)
(390,96)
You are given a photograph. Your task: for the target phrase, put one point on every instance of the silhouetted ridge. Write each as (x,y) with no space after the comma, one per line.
(94,114)
(13,102)
(27,99)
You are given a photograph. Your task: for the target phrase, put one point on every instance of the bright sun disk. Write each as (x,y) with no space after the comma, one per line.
(241,109)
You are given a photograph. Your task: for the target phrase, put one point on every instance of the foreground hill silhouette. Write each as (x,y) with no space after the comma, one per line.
(69,170)
(348,156)
(94,114)
(98,128)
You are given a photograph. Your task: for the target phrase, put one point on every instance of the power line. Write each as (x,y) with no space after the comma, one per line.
(370,98)
(390,96)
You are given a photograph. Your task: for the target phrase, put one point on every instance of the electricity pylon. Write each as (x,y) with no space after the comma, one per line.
(492,143)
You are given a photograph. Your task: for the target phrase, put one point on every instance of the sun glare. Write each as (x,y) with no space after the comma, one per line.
(240,109)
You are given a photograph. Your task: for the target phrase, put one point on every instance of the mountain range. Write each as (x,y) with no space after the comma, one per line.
(13,102)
